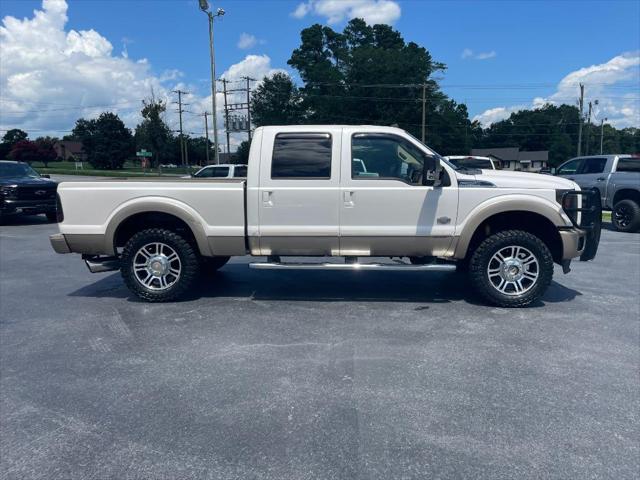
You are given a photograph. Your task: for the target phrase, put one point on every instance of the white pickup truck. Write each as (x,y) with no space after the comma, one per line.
(334,191)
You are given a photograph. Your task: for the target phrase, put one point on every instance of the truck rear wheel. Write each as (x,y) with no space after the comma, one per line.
(511,268)
(159,265)
(626,216)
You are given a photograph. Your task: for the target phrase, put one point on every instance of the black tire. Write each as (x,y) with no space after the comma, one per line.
(483,257)
(52,217)
(625,216)
(189,263)
(212,264)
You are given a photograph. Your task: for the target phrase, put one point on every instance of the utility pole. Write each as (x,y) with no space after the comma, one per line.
(580,120)
(180,112)
(226,113)
(206,134)
(248,79)
(586,148)
(424,112)
(602,133)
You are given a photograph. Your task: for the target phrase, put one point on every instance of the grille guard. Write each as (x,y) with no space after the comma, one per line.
(590,219)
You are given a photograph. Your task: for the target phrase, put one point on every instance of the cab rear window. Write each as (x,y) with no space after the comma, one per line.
(628,165)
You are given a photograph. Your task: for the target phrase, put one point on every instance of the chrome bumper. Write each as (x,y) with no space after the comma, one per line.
(59,243)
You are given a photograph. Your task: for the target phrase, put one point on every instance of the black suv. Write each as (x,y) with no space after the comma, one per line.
(25,191)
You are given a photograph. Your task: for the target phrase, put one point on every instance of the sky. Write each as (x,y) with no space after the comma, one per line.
(61,60)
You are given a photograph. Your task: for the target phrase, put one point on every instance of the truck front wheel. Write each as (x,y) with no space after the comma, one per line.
(511,268)
(159,265)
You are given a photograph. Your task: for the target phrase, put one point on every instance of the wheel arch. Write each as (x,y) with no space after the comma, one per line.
(140,214)
(626,194)
(538,217)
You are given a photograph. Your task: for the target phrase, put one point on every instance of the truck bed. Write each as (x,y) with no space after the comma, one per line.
(215,205)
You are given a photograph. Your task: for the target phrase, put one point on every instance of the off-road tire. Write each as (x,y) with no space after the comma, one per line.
(189,260)
(213,264)
(52,217)
(631,209)
(481,257)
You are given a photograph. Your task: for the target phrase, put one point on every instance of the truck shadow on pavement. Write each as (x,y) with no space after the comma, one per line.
(236,280)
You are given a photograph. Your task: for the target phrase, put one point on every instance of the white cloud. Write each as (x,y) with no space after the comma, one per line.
(336,11)
(247,41)
(50,77)
(468,53)
(613,83)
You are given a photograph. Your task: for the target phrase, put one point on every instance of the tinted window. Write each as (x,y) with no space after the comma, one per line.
(205,173)
(594,165)
(385,156)
(628,165)
(240,172)
(570,167)
(17,170)
(220,172)
(306,155)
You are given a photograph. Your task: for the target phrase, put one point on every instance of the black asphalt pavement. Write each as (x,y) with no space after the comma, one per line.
(323,375)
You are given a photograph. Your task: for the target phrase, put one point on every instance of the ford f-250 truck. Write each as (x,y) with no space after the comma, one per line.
(336,191)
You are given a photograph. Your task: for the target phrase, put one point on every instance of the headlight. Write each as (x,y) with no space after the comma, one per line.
(9,191)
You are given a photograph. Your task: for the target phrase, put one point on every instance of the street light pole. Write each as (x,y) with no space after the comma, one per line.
(204,6)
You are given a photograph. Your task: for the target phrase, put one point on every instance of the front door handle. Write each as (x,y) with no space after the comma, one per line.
(267,198)
(348,199)
(600,179)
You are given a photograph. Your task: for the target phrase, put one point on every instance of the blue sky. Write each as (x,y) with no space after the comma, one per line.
(500,54)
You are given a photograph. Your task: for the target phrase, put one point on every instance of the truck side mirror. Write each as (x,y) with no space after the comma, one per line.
(431,173)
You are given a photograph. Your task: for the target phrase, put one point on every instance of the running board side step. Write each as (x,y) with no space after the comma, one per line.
(433,267)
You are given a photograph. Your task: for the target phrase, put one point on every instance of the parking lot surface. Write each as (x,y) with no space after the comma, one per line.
(328,375)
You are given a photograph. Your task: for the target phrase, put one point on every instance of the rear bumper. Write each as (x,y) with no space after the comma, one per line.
(59,243)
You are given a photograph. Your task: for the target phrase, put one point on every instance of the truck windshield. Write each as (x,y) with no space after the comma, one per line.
(17,170)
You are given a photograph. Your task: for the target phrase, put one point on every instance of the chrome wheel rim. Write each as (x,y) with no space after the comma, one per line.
(622,216)
(157,266)
(513,270)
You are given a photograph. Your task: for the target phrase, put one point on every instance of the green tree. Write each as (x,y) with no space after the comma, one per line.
(153,134)
(106,140)
(369,74)
(243,152)
(10,138)
(276,101)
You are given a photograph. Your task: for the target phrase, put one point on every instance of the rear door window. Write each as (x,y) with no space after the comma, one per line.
(301,156)
(220,172)
(593,165)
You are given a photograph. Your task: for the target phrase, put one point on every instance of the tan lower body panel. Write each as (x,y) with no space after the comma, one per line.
(88,244)
(227,246)
(352,246)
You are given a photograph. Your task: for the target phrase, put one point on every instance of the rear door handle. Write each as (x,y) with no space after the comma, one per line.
(600,179)
(348,199)
(267,198)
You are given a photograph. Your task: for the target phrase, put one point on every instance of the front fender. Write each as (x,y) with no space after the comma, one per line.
(502,204)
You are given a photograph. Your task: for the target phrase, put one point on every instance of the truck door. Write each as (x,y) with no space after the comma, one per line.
(592,174)
(299,192)
(384,208)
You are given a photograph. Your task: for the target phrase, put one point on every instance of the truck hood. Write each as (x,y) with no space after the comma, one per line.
(510,179)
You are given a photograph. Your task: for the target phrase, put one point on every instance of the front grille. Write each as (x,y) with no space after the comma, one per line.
(36,193)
